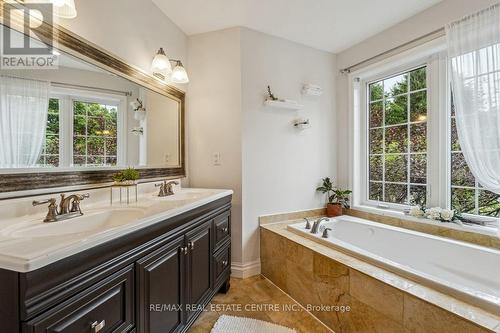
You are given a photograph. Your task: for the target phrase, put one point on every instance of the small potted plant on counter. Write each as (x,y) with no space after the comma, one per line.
(337,198)
(128,176)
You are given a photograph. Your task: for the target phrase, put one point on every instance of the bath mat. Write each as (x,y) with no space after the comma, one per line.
(231,324)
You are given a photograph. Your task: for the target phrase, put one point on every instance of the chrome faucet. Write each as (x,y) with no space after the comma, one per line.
(315,227)
(166,189)
(69,207)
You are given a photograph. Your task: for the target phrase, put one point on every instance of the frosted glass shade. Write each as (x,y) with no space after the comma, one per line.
(179,74)
(64,8)
(161,64)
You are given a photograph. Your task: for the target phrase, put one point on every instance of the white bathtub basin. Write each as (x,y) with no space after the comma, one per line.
(465,270)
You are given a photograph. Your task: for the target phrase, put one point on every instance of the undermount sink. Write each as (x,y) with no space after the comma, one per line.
(161,206)
(174,201)
(91,222)
(185,196)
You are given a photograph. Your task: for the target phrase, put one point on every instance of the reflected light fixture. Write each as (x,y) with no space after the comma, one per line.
(64,8)
(162,69)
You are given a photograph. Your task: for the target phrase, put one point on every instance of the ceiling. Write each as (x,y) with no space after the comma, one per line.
(330,25)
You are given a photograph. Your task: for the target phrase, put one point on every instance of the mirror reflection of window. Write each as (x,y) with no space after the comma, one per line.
(81,116)
(95,128)
(50,151)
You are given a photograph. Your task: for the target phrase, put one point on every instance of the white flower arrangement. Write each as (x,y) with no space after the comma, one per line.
(416,211)
(447,215)
(434,213)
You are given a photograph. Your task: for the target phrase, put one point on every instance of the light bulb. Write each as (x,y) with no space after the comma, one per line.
(179,74)
(58,3)
(161,64)
(35,19)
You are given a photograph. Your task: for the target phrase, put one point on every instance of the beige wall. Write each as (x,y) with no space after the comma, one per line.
(214,118)
(269,164)
(282,165)
(425,22)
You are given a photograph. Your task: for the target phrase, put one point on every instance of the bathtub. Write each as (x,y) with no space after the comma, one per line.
(465,271)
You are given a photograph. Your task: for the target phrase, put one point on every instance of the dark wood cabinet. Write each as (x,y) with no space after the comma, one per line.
(160,289)
(199,268)
(106,308)
(154,280)
(222,226)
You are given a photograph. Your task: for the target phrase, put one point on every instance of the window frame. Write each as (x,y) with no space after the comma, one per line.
(364,83)
(433,55)
(66,97)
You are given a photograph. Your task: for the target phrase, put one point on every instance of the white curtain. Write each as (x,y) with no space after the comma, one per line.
(474,51)
(23,118)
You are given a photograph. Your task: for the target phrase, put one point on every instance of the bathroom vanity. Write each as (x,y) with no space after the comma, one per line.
(154,273)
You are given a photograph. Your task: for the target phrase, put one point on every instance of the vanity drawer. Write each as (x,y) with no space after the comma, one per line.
(222,263)
(222,227)
(107,307)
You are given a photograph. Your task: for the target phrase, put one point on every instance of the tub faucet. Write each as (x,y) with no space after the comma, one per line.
(325,232)
(308,224)
(315,227)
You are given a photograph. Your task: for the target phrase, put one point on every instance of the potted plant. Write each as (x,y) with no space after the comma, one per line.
(337,198)
(128,176)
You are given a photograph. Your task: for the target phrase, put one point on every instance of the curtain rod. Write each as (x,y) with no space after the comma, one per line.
(395,50)
(68,85)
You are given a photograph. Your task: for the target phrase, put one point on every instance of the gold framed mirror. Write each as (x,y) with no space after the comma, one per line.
(97,115)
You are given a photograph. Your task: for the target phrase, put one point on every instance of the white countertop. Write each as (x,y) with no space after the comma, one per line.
(27,243)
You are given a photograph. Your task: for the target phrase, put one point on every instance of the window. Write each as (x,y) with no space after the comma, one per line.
(397,149)
(50,151)
(83,130)
(467,196)
(94,134)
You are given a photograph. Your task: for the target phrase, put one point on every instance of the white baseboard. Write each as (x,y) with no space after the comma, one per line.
(243,271)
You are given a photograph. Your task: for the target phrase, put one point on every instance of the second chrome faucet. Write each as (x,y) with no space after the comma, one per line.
(166,188)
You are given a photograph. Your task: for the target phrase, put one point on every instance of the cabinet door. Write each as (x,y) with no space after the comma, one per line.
(107,307)
(199,270)
(160,289)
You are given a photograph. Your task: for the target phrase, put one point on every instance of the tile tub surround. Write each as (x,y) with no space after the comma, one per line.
(462,270)
(441,229)
(380,301)
(280,217)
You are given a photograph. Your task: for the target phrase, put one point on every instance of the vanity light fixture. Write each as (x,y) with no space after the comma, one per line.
(179,74)
(162,69)
(64,8)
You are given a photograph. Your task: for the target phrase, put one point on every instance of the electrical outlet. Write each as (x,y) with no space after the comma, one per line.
(167,158)
(216,158)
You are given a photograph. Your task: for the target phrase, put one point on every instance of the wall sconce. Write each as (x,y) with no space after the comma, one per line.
(137,131)
(139,109)
(162,69)
(179,74)
(64,8)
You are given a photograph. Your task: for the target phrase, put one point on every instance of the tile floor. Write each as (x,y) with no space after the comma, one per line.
(258,298)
